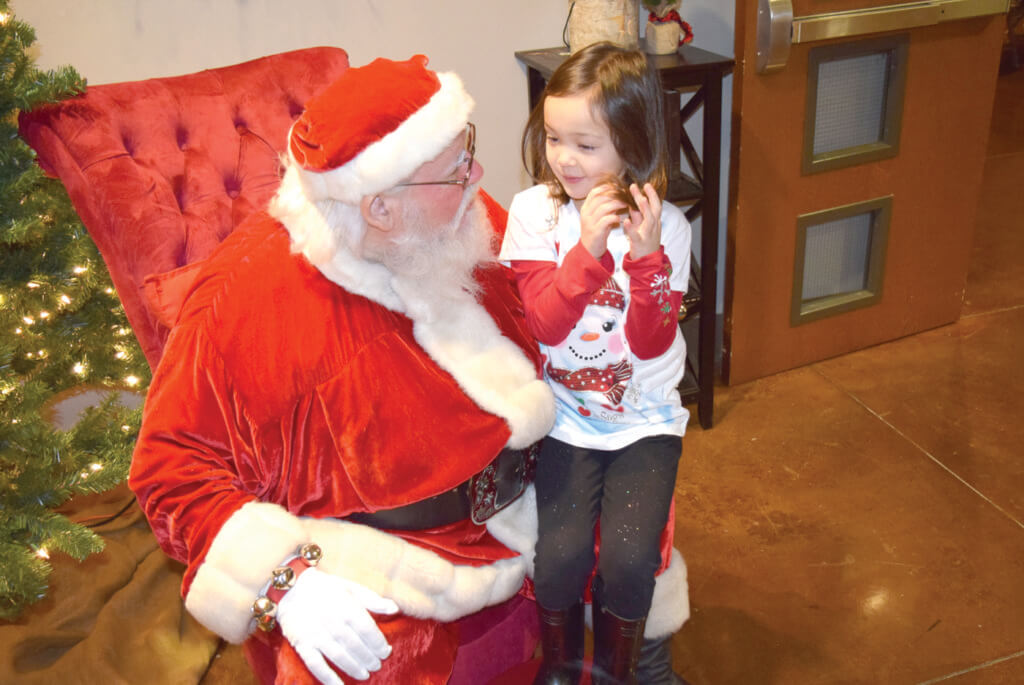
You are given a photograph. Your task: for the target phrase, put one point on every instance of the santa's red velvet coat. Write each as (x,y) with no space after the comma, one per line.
(283,395)
(285,402)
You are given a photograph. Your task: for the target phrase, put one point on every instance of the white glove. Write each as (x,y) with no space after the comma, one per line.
(326,616)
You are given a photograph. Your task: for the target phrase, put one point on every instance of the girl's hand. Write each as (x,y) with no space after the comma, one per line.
(598,216)
(643,227)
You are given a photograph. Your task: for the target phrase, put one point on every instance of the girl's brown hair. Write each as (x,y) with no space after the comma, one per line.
(627,96)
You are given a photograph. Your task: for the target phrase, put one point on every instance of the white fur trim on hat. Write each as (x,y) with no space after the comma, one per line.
(394,158)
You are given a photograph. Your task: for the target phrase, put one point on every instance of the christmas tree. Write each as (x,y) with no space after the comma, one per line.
(62,328)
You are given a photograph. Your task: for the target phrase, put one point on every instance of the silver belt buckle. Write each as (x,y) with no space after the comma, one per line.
(502,482)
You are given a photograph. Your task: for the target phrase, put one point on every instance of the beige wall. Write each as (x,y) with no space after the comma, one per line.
(118,40)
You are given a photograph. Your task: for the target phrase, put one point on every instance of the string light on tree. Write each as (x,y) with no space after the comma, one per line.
(55,296)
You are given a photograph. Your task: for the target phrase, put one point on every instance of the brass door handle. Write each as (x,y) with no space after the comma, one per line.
(778,29)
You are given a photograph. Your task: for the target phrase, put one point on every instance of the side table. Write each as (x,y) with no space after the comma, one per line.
(698,74)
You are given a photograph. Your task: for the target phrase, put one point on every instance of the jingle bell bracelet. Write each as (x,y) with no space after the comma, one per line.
(282,579)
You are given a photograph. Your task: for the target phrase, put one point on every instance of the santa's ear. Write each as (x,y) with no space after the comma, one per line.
(377,212)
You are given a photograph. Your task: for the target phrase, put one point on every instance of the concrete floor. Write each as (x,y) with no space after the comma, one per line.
(861,520)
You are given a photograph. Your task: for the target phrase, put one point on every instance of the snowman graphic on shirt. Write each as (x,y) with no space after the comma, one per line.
(592,364)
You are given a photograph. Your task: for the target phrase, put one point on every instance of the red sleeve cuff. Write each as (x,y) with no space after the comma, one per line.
(652,318)
(647,265)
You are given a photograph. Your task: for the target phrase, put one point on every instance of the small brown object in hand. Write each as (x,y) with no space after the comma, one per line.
(620,190)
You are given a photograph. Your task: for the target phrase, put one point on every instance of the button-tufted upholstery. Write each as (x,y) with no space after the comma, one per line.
(160,171)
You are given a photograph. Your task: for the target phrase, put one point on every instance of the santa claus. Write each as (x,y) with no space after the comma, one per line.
(337,440)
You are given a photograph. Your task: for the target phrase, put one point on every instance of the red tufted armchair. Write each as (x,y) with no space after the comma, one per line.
(161,171)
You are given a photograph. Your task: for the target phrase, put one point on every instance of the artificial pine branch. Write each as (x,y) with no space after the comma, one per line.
(61,328)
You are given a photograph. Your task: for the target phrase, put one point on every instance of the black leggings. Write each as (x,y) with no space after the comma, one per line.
(630,490)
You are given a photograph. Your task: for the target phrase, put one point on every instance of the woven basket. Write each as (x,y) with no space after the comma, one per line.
(592,21)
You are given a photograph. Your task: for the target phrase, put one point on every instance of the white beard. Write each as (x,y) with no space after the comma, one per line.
(431,274)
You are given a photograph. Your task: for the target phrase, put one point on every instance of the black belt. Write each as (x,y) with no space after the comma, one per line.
(478,498)
(440,510)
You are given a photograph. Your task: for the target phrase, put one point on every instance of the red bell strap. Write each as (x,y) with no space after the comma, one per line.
(283,578)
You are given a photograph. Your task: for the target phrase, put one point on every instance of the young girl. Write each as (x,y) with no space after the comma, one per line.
(601,282)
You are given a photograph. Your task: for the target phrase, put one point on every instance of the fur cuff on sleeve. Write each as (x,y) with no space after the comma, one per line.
(259,536)
(251,544)
(422,583)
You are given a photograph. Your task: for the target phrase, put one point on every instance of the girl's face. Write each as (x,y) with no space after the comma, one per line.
(578,147)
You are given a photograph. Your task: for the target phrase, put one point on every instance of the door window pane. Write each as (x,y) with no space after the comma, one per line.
(854,102)
(840,259)
(850,103)
(836,256)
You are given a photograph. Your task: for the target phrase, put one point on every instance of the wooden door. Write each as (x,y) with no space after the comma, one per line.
(836,241)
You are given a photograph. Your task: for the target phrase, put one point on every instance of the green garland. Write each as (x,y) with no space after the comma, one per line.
(62,328)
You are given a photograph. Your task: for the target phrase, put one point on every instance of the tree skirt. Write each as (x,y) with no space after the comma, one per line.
(115,617)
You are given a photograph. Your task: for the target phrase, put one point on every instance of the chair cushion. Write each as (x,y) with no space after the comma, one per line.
(162,170)
(165,293)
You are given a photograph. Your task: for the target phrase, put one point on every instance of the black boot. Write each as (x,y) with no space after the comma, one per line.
(654,667)
(616,648)
(561,640)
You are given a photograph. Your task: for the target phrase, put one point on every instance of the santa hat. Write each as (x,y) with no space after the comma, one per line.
(374,126)
(609,295)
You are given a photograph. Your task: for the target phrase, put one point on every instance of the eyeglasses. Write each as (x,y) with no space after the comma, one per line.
(469,152)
